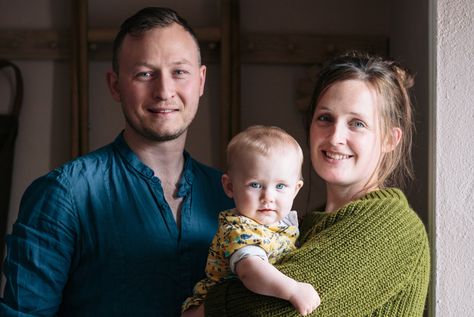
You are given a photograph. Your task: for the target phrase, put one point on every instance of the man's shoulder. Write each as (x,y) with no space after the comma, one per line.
(90,162)
(90,165)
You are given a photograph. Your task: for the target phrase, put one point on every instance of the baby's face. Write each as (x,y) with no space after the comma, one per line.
(263,186)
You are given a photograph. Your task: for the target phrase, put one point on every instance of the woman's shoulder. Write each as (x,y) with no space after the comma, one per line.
(384,212)
(387,203)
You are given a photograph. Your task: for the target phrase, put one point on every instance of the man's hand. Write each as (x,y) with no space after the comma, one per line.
(305,298)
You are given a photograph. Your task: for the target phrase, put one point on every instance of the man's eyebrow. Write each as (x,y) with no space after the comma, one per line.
(182,62)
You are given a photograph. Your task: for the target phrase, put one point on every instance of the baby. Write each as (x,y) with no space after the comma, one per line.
(263,177)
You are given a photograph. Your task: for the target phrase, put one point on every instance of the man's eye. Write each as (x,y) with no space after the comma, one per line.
(280,186)
(180,72)
(144,75)
(255,185)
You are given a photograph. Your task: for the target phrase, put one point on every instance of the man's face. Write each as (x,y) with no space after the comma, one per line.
(159,83)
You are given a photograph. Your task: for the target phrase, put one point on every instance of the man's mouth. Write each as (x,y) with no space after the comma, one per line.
(161,110)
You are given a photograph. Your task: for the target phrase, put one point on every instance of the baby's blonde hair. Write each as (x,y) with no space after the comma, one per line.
(262,139)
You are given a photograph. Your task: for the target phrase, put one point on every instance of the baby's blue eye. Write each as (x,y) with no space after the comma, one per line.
(358,124)
(255,185)
(280,186)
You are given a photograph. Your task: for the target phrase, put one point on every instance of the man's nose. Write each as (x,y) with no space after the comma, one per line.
(164,87)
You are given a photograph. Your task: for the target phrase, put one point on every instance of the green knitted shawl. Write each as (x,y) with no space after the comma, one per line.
(369,258)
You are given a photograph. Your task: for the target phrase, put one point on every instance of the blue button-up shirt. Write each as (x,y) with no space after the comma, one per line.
(96,237)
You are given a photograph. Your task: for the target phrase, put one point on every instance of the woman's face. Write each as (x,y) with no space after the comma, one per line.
(344,135)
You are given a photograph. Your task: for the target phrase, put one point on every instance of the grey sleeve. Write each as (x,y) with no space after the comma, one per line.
(250,250)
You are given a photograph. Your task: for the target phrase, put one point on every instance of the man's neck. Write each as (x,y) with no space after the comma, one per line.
(164,158)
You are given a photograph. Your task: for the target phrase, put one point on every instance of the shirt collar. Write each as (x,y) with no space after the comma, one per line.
(186,180)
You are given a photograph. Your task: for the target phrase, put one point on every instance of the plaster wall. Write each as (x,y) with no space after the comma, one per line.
(453,137)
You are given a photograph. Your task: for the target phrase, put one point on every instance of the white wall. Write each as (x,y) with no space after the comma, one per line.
(452,89)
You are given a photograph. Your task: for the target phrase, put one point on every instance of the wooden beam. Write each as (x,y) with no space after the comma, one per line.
(34,44)
(24,44)
(225,77)
(235,73)
(262,48)
(305,48)
(79,80)
(230,73)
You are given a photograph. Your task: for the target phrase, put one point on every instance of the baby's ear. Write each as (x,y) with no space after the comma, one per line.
(392,140)
(227,185)
(298,186)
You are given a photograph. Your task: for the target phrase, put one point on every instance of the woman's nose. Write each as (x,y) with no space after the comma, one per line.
(338,134)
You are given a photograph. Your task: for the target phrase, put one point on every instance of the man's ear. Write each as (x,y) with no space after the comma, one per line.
(227,185)
(112,83)
(392,140)
(202,79)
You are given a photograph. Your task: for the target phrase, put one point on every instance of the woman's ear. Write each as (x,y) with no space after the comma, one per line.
(227,185)
(392,140)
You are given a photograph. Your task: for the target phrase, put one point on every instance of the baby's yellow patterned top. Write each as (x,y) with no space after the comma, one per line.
(236,231)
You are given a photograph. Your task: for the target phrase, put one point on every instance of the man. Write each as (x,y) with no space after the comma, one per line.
(124,231)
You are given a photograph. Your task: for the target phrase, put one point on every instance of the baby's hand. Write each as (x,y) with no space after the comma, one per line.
(305,298)
(195,311)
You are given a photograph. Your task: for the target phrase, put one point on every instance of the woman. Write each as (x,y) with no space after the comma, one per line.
(366,253)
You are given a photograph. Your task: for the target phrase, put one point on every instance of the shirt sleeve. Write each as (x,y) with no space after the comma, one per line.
(40,249)
(357,264)
(242,253)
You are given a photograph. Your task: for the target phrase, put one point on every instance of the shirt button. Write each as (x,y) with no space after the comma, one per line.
(155,179)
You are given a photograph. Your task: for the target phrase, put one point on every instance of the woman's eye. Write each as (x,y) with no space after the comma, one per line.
(280,186)
(358,124)
(324,118)
(255,185)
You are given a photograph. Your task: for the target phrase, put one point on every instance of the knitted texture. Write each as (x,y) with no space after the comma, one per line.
(369,258)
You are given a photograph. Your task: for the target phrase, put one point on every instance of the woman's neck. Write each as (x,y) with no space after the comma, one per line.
(338,196)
